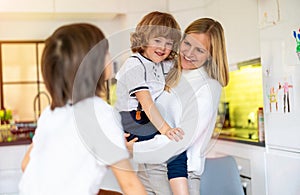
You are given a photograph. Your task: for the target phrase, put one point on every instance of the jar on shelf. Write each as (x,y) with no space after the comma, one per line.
(260,125)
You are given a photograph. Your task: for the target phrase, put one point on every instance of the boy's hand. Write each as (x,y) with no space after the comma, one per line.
(129,144)
(175,134)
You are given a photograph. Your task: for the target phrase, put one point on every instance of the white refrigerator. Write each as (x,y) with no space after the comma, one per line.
(279,23)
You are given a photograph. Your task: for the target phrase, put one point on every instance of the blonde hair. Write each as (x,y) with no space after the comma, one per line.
(217,65)
(156,24)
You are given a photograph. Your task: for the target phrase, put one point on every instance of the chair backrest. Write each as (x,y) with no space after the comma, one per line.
(221,177)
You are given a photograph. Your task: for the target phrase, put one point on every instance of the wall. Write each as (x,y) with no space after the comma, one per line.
(120,38)
(187,11)
(239,20)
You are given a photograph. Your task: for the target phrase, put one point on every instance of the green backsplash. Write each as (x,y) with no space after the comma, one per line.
(244,94)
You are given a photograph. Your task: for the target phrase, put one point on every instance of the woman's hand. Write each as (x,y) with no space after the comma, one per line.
(129,144)
(175,134)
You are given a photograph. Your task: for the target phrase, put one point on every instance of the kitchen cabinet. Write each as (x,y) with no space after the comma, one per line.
(241,29)
(282,172)
(175,5)
(89,6)
(10,167)
(112,6)
(250,159)
(80,6)
(30,6)
(62,6)
(138,6)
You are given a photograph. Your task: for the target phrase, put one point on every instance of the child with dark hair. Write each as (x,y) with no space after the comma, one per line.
(78,132)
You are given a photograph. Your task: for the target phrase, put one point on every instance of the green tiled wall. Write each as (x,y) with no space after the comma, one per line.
(245,96)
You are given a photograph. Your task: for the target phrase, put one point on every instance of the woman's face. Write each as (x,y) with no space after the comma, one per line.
(194,50)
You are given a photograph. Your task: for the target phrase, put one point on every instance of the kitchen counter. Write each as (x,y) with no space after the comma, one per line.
(240,135)
(20,133)
(16,142)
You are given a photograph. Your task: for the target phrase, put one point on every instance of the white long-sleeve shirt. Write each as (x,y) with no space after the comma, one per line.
(191,105)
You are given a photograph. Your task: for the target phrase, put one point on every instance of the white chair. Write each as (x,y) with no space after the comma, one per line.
(221,177)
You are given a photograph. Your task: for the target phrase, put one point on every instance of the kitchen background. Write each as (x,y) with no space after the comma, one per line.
(261,51)
(36,21)
(244,95)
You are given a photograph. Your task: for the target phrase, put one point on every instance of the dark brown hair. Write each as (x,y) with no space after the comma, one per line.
(73,61)
(156,24)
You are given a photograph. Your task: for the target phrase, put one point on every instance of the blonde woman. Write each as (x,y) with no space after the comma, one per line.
(190,100)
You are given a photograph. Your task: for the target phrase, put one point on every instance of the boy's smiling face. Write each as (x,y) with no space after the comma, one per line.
(158,49)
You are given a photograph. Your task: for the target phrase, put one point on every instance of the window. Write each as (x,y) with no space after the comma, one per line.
(21,86)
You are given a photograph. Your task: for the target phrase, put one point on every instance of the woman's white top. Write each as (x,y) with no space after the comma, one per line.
(192,105)
(135,76)
(72,148)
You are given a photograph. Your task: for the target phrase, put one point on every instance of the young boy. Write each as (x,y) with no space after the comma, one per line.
(141,80)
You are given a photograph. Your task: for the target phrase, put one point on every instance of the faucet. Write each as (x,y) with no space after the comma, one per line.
(37,113)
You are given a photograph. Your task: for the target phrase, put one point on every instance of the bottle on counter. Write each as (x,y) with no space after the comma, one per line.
(261,126)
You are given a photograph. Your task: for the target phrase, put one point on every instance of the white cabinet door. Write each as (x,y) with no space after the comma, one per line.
(250,159)
(10,168)
(283,171)
(143,7)
(241,29)
(62,6)
(30,6)
(89,6)
(9,180)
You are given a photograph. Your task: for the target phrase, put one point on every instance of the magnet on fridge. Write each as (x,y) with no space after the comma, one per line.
(297,37)
(268,72)
(280,95)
